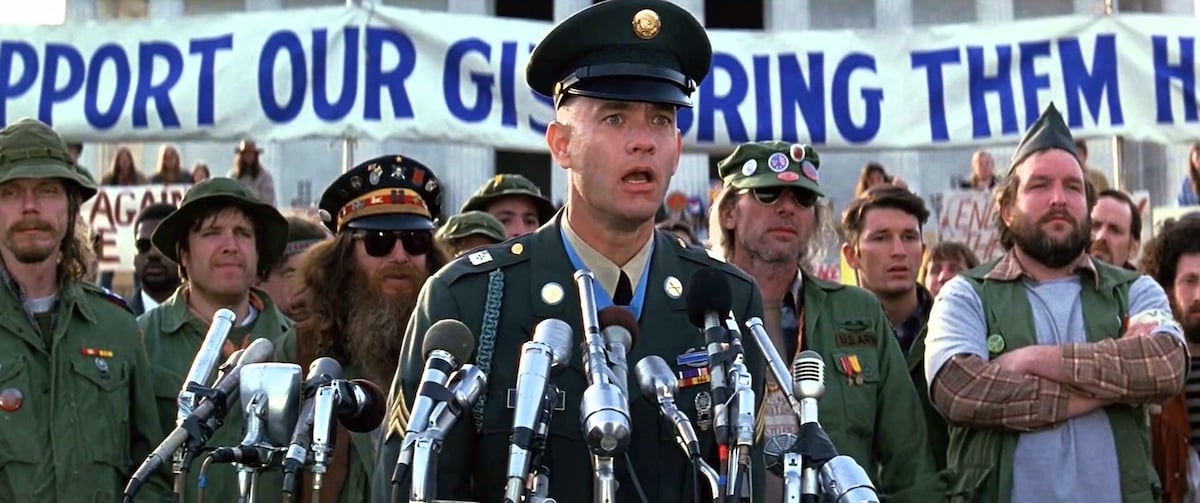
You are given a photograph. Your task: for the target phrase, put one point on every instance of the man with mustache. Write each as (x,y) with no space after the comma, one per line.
(358,289)
(1116,228)
(76,389)
(1040,360)
(225,240)
(1172,258)
(762,221)
(617,74)
(157,276)
(884,245)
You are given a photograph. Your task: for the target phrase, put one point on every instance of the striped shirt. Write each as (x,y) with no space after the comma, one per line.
(1192,391)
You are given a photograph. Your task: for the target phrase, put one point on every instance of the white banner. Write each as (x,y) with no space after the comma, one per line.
(390,73)
(111,215)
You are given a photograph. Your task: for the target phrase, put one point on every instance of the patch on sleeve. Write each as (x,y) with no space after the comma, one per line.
(117,300)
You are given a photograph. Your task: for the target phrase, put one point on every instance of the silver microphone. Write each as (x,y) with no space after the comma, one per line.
(466,385)
(279,383)
(659,385)
(205,361)
(843,480)
(619,330)
(779,368)
(321,371)
(604,409)
(809,385)
(550,347)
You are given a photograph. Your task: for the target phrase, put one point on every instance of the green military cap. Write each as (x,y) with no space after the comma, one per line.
(772,164)
(387,193)
(472,223)
(31,149)
(506,185)
(630,50)
(223,192)
(1049,132)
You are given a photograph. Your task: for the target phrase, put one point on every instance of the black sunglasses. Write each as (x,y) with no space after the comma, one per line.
(771,195)
(143,245)
(381,243)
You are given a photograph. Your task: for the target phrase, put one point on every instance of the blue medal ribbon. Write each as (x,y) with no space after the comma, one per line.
(603,298)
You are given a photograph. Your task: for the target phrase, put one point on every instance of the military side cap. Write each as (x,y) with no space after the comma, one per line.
(772,164)
(505,185)
(472,223)
(631,50)
(222,192)
(1049,132)
(31,149)
(389,193)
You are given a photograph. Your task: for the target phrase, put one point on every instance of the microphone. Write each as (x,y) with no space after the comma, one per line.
(618,326)
(844,481)
(465,386)
(550,347)
(809,385)
(604,409)
(321,371)
(708,300)
(358,404)
(215,407)
(659,385)
(779,369)
(205,361)
(279,385)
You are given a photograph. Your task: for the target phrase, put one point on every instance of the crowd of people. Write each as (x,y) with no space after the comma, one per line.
(1057,372)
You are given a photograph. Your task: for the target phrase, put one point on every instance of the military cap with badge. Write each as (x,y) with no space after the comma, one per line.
(510,185)
(765,168)
(385,199)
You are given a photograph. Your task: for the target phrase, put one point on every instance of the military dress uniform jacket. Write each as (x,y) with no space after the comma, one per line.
(77,415)
(536,278)
(173,335)
(873,415)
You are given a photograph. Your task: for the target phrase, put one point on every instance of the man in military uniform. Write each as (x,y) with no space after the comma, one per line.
(762,221)
(359,288)
(617,72)
(470,230)
(515,201)
(76,390)
(225,240)
(1042,361)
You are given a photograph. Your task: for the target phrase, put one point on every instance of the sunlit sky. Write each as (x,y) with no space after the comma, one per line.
(33,11)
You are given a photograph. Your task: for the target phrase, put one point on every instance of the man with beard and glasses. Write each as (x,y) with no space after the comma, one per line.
(157,276)
(617,73)
(1029,357)
(764,220)
(359,288)
(76,390)
(225,241)
(1172,258)
(1116,228)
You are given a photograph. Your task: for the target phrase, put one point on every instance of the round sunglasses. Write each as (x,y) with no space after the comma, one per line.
(771,195)
(381,243)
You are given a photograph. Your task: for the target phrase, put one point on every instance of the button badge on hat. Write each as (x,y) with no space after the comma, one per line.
(778,162)
(646,24)
(749,167)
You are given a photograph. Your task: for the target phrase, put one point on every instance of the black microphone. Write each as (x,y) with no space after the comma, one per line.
(258,351)
(708,301)
(321,371)
(448,344)
(620,329)
(550,347)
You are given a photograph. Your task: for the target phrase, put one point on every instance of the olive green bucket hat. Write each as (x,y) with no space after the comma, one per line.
(508,185)
(772,164)
(472,223)
(223,192)
(31,149)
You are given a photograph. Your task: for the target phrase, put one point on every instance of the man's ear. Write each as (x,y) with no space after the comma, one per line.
(558,139)
(851,255)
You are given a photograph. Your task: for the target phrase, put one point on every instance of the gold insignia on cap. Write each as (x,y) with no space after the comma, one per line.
(646,24)
(673,287)
(356,182)
(552,293)
(517,249)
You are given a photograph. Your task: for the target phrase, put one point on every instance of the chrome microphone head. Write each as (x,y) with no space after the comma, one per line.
(808,375)
(653,374)
(279,383)
(556,334)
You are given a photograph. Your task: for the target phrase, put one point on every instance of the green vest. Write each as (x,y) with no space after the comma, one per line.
(979,461)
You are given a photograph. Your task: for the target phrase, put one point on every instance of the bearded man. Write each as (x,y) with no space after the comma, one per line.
(358,289)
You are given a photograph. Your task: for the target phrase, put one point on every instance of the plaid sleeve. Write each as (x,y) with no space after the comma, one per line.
(1129,369)
(969,391)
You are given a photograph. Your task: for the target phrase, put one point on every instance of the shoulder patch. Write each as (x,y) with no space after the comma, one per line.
(109,295)
(485,260)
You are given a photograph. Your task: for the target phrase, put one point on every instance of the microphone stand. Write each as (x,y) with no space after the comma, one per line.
(256,422)
(742,418)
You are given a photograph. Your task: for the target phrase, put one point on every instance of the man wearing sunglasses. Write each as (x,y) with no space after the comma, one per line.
(358,289)
(617,73)
(157,276)
(763,221)
(225,240)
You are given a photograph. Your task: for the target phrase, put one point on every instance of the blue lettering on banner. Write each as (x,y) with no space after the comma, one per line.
(727,104)
(873,97)
(508,84)
(289,42)
(340,108)
(1077,79)
(51,94)
(764,127)
(452,80)
(980,85)
(377,77)
(535,124)
(147,90)
(8,88)
(104,119)
(205,89)
(1031,80)
(935,83)
(807,94)
(1164,74)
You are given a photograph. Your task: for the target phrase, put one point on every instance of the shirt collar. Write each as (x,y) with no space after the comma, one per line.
(607,272)
(1009,268)
(148,302)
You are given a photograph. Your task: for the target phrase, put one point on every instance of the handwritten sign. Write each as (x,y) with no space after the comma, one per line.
(966,217)
(111,214)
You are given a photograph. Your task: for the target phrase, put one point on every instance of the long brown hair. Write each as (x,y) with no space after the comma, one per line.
(114,176)
(1194,168)
(74,252)
(864,177)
